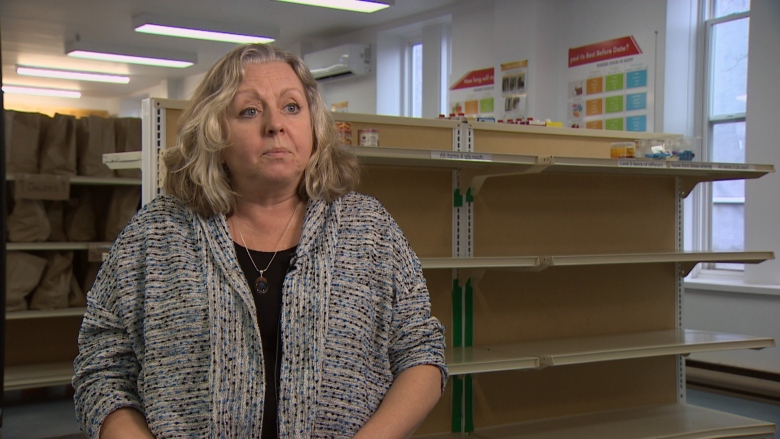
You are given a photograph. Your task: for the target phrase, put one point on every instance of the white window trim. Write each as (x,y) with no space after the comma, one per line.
(702,196)
(406,68)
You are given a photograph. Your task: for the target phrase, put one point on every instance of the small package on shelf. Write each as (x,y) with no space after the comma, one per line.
(23,272)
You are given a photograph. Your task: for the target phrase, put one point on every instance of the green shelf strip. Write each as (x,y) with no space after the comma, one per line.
(457,315)
(468,391)
(457,404)
(469,315)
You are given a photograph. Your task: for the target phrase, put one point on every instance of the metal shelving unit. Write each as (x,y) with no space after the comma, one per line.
(32,375)
(427,160)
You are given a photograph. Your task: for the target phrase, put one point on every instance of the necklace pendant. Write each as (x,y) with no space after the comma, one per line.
(261,284)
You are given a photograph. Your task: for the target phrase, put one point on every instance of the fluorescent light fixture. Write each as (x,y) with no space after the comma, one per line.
(346,5)
(71,74)
(18,89)
(152,57)
(202,30)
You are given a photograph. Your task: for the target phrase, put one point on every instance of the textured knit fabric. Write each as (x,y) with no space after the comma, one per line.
(170,327)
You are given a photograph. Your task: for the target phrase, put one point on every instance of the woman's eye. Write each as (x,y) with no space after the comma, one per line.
(292,108)
(249,112)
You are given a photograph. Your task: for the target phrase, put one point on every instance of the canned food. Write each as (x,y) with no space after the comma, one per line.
(345,132)
(368,137)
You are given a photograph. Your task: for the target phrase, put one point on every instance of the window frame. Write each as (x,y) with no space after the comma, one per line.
(407,66)
(703,197)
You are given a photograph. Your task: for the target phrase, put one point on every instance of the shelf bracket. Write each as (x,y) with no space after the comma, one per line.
(541,164)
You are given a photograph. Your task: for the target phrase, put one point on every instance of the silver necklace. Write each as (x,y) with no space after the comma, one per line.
(261,283)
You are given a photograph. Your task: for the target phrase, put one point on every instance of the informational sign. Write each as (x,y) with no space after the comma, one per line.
(513,86)
(610,85)
(472,94)
(41,187)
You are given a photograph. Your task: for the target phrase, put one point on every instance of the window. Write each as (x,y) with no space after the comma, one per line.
(725,94)
(407,84)
(413,78)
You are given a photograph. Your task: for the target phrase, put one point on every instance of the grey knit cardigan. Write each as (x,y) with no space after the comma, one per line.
(171,328)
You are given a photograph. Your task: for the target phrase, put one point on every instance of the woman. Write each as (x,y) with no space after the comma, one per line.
(261,293)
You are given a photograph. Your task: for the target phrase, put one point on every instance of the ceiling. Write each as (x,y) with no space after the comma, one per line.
(34,33)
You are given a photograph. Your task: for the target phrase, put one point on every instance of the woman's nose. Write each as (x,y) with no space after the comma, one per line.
(273,123)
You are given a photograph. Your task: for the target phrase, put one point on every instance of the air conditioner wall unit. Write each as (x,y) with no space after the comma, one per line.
(340,61)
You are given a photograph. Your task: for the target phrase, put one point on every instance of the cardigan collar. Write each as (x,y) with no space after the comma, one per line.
(234,331)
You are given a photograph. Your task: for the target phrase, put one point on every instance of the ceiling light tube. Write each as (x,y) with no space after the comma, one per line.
(202,30)
(72,74)
(18,89)
(153,57)
(366,6)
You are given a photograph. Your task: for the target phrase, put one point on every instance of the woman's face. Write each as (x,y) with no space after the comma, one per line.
(269,131)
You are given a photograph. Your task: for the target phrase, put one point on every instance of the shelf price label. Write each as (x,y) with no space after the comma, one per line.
(453,155)
(41,187)
(690,165)
(733,167)
(641,164)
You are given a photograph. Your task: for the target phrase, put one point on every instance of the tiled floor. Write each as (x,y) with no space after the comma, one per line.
(49,413)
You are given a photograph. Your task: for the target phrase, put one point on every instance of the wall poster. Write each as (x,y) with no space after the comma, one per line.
(513,86)
(610,85)
(472,94)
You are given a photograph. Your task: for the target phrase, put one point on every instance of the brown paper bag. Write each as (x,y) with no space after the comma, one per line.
(79,217)
(76,298)
(128,138)
(53,290)
(122,207)
(95,137)
(58,146)
(55,211)
(28,222)
(22,135)
(90,274)
(23,272)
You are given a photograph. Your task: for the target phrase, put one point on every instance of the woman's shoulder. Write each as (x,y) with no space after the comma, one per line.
(162,211)
(362,204)
(164,205)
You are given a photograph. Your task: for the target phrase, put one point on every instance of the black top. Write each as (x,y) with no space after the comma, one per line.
(269,309)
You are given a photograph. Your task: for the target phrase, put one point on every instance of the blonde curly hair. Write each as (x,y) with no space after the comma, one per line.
(194,171)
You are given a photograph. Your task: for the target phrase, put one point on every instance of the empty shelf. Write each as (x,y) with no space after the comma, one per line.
(38,375)
(45,314)
(461,361)
(673,421)
(578,350)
